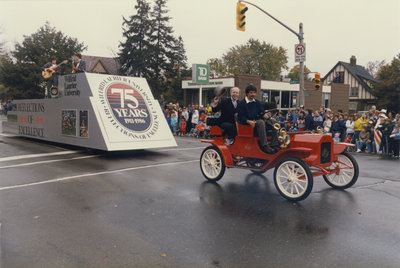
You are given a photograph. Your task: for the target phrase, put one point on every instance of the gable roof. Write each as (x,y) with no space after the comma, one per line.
(358,72)
(111,65)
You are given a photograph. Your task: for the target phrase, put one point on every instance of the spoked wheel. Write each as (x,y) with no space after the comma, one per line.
(293,179)
(212,164)
(346,172)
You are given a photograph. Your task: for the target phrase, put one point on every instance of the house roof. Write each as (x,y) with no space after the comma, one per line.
(111,65)
(358,72)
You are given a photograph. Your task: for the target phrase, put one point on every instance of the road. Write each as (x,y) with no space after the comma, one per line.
(62,206)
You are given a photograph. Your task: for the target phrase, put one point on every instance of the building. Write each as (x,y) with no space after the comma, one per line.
(283,94)
(358,80)
(101,65)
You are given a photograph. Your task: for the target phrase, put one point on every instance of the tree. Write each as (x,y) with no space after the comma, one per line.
(373,67)
(165,45)
(151,51)
(294,73)
(21,71)
(136,47)
(217,67)
(387,90)
(254,57)
(176,74)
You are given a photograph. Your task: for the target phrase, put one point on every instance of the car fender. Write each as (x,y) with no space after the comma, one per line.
(340,146)
(226,153)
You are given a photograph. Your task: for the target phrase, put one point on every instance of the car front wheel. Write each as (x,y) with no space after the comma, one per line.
(293,179)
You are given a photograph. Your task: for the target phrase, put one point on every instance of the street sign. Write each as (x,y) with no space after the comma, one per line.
(294,82)
(200,73)
(300,52)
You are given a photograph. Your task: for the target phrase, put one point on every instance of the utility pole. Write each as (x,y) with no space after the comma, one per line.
(301,39)
(301,89)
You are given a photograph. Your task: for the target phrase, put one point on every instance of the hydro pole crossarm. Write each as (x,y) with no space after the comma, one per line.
(299,35)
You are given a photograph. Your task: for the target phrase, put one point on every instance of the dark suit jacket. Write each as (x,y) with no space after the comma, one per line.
(227,110)
(82,67)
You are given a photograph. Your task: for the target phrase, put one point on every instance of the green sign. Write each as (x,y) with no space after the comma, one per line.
(200,73)
(210,83)
(294,81)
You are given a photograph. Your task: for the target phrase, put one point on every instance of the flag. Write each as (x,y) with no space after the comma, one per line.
(377,139)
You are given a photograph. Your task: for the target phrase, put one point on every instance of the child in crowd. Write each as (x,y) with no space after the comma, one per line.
(174,122)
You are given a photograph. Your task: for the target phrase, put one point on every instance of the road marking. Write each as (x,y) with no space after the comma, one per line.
(7,135)
(1,259)
(94,174)
(181,149)
(18,157)
(49,161)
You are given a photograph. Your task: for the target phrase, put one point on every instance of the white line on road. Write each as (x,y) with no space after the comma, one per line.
(180,149)
(7,135)
(94,174)
(49,161)
(18,157)
(1,259)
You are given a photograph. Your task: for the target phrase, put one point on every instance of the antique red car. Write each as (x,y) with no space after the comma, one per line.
(302,157)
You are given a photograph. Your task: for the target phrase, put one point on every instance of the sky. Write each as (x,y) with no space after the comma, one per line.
(333,30)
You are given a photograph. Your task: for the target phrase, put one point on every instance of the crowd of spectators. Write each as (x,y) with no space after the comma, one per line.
(364,129)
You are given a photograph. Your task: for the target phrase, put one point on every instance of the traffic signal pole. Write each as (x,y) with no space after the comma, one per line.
(301,41)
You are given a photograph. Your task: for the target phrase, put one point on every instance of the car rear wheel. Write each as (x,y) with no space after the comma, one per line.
(293,179)
(346,172)
(212,164)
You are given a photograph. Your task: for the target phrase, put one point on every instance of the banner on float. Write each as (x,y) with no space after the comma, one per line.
(104,112)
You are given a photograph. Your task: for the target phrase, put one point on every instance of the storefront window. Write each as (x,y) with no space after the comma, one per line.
(265,96)
(274,96)
(285,102)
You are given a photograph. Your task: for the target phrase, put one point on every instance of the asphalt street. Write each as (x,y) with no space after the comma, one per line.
(64,206)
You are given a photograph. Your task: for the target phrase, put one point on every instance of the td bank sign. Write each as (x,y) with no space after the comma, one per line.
(200,73)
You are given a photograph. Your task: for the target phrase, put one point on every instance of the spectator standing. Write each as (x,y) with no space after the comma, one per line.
(335,128)
(317,120)
(309,120)
(358,123)
(386,128)
(208,109)
(350,128)
(289,117)
(301,122)
(185,114)
(397,118)
(296,116)
(342,124)
(189,121)
(327,124)
(174,122)
(395,135)
(280,118)
(195,118)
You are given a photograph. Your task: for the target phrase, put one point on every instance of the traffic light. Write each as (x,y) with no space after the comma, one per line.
(240,16)
(317,81)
